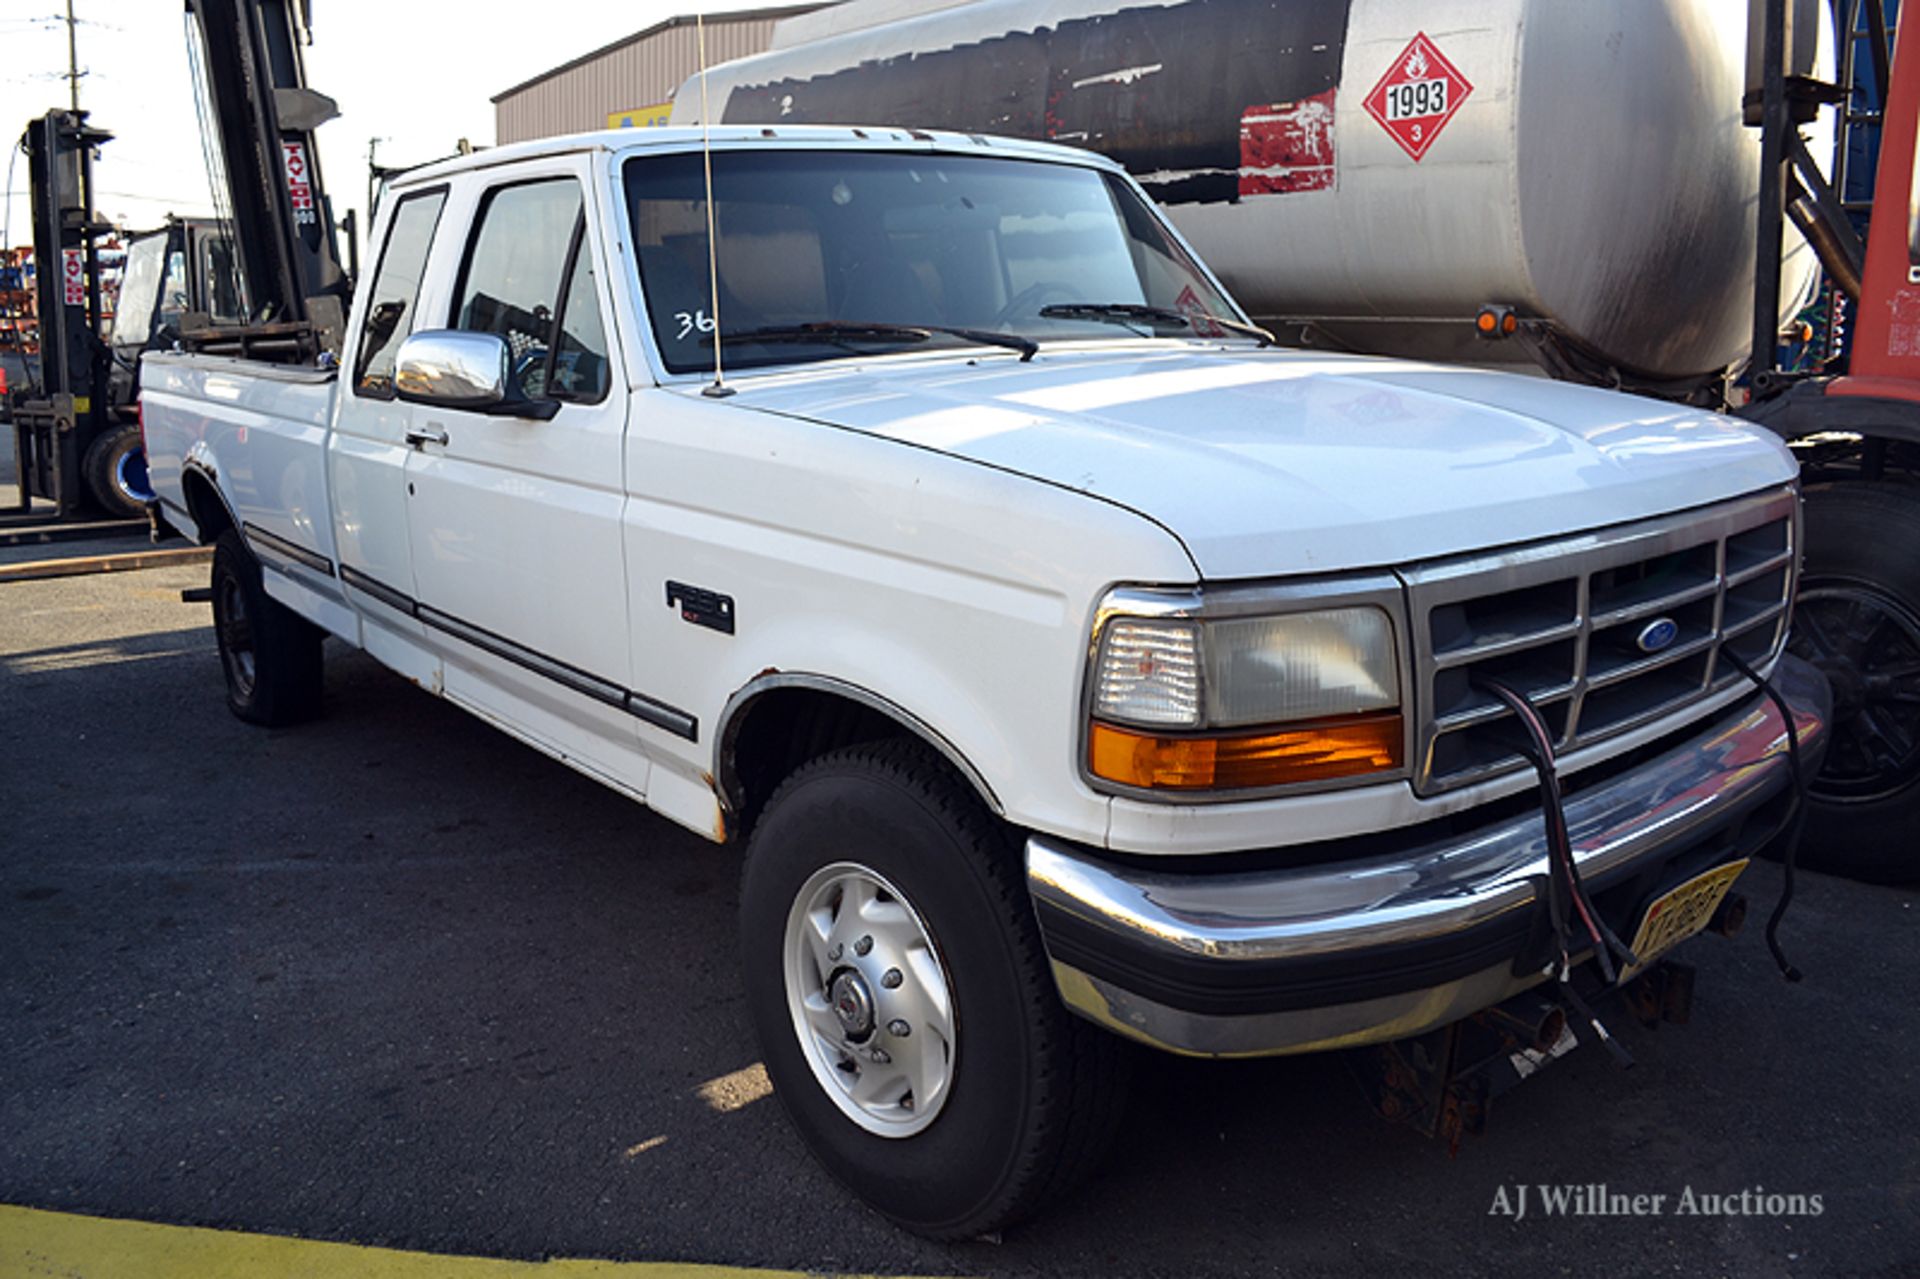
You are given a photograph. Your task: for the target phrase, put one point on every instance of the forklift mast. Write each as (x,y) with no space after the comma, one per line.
(67,408)
(60,147)
(262,116)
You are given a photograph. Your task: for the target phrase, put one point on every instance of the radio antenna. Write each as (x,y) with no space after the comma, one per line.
(719,387)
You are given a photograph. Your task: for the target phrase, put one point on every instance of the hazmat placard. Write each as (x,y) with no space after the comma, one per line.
(1417,96)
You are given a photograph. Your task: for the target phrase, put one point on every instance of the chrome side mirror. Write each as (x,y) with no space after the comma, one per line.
(460,369)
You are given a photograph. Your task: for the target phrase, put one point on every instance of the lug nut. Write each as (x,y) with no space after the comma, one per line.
(878,1056)
(899,1029)
(835,951)
(862,946)
(891,979)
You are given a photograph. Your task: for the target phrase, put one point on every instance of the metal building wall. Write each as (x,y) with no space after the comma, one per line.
(640,72)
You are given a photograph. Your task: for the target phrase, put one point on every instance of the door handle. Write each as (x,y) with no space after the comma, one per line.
(419,435)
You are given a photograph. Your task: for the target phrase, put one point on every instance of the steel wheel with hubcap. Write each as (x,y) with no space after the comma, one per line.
(903,1000)
(869,1000)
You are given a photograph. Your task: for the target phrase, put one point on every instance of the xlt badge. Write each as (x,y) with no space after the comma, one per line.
(702,607)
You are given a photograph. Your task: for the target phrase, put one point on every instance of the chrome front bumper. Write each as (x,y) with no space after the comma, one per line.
(1345,952)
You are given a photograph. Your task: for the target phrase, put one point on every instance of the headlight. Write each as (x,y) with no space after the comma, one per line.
(1265,670)
(1309,696)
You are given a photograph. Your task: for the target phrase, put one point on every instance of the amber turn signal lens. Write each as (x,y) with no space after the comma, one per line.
(1487,321)
(1308,753)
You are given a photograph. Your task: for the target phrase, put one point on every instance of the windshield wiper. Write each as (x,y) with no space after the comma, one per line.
(1128,312)
(840,331)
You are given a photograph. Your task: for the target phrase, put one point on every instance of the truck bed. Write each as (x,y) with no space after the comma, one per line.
(270,418)
(258,433)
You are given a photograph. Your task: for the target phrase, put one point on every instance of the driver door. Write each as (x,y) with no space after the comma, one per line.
(515,522)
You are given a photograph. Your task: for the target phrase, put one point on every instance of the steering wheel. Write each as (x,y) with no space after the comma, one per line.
(531,360)
(1029,300)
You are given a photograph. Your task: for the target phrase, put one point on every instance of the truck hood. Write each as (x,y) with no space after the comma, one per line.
(1276,462)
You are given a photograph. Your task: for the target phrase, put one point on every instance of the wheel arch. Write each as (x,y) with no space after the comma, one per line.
(781,719)
(206,505)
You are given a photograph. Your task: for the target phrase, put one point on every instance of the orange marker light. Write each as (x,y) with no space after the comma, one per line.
(1497,322)
(1319,752)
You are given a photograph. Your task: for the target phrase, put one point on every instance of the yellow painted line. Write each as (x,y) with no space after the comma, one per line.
(57,1245)
(36,570)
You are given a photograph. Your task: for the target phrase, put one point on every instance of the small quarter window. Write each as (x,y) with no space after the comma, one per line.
(580,356)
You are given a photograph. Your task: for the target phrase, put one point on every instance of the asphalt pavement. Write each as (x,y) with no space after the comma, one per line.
(392,978)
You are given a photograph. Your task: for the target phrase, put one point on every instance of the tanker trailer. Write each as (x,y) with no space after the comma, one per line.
(1374,172)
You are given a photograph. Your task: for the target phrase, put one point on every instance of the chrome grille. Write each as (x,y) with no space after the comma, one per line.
(1563,623)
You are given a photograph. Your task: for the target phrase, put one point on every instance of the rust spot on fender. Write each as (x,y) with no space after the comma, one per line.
(719,807)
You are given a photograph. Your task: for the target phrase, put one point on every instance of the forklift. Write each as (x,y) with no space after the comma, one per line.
(73,445)
(265,282)
(1847,400)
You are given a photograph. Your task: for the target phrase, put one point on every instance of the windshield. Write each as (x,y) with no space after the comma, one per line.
(865,240)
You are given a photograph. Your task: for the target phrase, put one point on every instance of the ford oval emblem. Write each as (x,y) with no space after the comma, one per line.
(1657,634)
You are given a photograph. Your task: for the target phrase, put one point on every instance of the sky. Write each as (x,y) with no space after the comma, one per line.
(416,74)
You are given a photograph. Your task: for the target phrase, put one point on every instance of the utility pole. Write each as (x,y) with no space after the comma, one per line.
(73,59)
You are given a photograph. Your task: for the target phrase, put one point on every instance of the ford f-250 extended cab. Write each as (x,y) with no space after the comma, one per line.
(1067,660)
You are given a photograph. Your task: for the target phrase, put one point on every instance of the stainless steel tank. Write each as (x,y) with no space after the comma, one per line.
(1385,167)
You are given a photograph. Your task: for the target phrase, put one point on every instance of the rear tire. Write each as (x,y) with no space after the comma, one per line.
(270,654)
(882,842)
(115,469)
(1858,619)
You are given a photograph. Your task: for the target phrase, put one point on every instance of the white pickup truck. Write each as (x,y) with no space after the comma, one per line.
(1067,660)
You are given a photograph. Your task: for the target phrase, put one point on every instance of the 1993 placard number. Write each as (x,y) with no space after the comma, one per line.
(1415,98)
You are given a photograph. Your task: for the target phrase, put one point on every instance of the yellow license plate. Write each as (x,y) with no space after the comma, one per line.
(1681,913)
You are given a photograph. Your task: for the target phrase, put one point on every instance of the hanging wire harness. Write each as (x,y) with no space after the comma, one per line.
(1572,917)
(1566,893)
(1793,823)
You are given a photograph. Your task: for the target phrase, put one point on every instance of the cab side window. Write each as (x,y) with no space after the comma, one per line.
(396,288)
(530,278)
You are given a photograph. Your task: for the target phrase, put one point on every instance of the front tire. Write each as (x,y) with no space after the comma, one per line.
(270,654)
(1857,618)
(904,1002)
